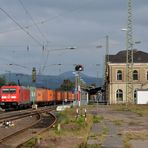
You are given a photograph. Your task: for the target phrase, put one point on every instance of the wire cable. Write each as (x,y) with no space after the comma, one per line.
(50,19)
(34,23)
(20,26)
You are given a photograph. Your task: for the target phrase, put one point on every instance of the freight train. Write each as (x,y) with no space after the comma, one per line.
(23,97)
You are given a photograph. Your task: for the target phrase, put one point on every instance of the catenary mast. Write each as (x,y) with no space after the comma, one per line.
(129,56)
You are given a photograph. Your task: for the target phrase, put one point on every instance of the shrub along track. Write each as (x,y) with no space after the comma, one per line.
(27,127)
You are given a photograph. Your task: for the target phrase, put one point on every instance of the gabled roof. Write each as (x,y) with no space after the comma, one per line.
(138,57)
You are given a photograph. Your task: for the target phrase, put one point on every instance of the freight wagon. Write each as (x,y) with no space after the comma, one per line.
(41,96)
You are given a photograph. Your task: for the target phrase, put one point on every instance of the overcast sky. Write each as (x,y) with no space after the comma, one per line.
(26,26)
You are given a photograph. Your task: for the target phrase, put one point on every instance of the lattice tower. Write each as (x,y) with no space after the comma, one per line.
(129,57)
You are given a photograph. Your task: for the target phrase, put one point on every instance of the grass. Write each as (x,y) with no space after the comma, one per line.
(79,127)
(68,125)
(141,110)
(97,118)
(118,122)
(134,136)
(133,123)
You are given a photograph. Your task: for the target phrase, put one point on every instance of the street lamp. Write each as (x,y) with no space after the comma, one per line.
(11,64)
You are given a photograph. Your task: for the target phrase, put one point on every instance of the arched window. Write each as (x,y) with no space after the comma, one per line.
(119,75)
(119,95)
(135,75)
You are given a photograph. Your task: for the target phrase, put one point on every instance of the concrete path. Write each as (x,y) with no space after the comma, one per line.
(112,140)
(139,143)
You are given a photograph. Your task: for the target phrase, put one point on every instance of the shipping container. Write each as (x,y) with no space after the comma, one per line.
(64,95)
(51,95)
(73,96)
(58,96)
(69,95)
(41,95)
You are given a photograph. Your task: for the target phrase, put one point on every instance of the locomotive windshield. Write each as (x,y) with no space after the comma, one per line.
(8,91)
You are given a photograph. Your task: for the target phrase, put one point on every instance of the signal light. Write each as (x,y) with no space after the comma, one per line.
(79,68)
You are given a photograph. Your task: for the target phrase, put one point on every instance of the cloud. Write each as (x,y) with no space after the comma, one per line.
(65,23)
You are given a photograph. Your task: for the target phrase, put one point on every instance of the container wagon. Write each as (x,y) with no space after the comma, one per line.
(51,96)
(41,96)
(58,96)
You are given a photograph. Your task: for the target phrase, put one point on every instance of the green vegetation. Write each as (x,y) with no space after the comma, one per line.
(141,110)
(69,126)
(134,136)
(67,85)
(72,123)
(77,129)
(118,122)
(97,119)
(2,81)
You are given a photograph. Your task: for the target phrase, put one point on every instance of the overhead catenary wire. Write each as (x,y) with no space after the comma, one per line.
(32,19)
(48,19)
(21,27)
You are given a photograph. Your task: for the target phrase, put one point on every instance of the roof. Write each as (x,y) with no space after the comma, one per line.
(138,57)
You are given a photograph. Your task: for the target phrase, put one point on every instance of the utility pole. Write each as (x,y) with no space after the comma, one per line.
(106,75)
(129,56)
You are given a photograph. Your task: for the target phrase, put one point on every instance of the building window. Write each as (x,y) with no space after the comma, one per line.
(135,96)
(119,95)
(135,75)
(119,75)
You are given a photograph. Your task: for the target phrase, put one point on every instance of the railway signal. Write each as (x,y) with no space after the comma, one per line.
(33,74)
(78,69)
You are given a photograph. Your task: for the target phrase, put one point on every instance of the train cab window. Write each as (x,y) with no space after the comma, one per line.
(12,91)
(5,91)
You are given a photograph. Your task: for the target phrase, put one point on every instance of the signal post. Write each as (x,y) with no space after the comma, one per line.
(78,69)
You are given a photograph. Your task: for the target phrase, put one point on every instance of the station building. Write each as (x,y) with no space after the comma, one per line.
(116,75)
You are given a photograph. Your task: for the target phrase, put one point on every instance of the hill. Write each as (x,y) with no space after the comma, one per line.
(52,82)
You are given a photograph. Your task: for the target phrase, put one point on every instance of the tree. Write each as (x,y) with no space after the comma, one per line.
(2,81)
(67,85)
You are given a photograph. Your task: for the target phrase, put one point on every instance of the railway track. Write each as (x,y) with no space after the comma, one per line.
(23,113)
(31,125)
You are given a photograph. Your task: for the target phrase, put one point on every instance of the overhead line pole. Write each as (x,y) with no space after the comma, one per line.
(106,68)
(129,56)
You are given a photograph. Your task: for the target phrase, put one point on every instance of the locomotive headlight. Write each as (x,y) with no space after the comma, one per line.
(4,97)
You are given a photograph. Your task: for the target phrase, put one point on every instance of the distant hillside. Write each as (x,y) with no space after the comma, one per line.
(52,82)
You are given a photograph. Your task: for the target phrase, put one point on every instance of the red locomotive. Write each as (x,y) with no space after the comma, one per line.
(14,96)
